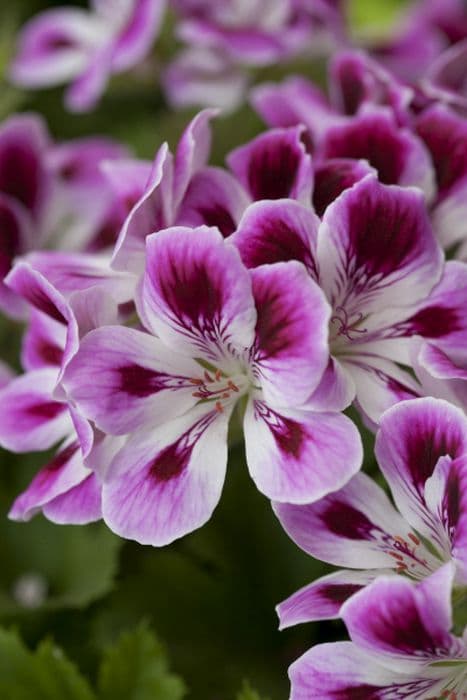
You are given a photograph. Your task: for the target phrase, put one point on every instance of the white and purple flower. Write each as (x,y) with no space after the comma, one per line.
(421,448)
(85,47)
(216,336)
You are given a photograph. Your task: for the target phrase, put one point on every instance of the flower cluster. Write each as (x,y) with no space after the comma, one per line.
(184,304)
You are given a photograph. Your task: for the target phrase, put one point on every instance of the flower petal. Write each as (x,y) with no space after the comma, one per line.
(398,156)
(402,625)
(299,456)
(413,436)
(323,599)
(166,484)
(355,527)
(290,351)
(54,47)
(375,242)
(30,418)
(125,380)
(341,670)
(278,231)
(215,198)
(274,165)
(196,294)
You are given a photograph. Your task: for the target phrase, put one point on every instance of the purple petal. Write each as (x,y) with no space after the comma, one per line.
(84,93)
(196,294)
(54,47)
(152,212)
(23,174)
(445,78)
(192,152)
(445,135)
(379,383)
(274,165)
(58,479)
(213,198)
(125,380)
(290,350)
(80,505)
(376,250)
(141,28)
(272,232)
(413,436)
(342,671)
(295,101)
(402,625)
(166,484)
(43,342)
(335,175)
(355,527)
(323,599)
(200,76)
(398,156)
(299,456)
(30,418)
(355,80)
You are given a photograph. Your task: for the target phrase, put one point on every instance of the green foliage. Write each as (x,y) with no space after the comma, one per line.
(374,19)
(75,565)
(45,674)
(247,693)
(136,669)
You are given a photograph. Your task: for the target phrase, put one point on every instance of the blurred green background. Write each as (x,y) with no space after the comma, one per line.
(209,597)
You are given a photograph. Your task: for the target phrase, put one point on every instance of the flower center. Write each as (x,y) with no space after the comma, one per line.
(345,326)
(216,386)
(409,561)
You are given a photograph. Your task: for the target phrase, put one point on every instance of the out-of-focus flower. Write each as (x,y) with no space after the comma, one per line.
(67,296)
(421,448)
(402,646)
(85,47)
(216,336)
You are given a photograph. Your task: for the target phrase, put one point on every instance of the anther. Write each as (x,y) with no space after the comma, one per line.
(414,539)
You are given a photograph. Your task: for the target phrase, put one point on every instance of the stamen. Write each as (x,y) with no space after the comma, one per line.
(414,538)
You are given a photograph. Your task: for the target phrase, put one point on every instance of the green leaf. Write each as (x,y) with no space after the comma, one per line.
(45,674)
(375,19)
(71,565)
(136,668)
(247,693)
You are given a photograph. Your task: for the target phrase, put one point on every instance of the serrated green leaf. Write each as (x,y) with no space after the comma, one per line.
(136,668)
(45,674)
(247,693)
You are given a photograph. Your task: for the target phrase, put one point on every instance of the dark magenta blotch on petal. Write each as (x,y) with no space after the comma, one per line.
(346,521)
(435,322)
(333,177)
(217,215)
(425,447)
(288,434)
(171,461)
(445,135)
(273,168)
(339,592)
(373,138)
(46,410)
(20,173)
(141,381)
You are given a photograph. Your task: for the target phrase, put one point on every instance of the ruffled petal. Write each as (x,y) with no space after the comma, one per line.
(125,380)
(290,351)
(167,483)
(299,456)
(196,294)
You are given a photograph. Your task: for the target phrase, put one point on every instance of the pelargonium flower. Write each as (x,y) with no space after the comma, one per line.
(85,47)
(216,336)
(181,189)
(421,448)
(402,646)
(375,256)
(224,40)
(35,414)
